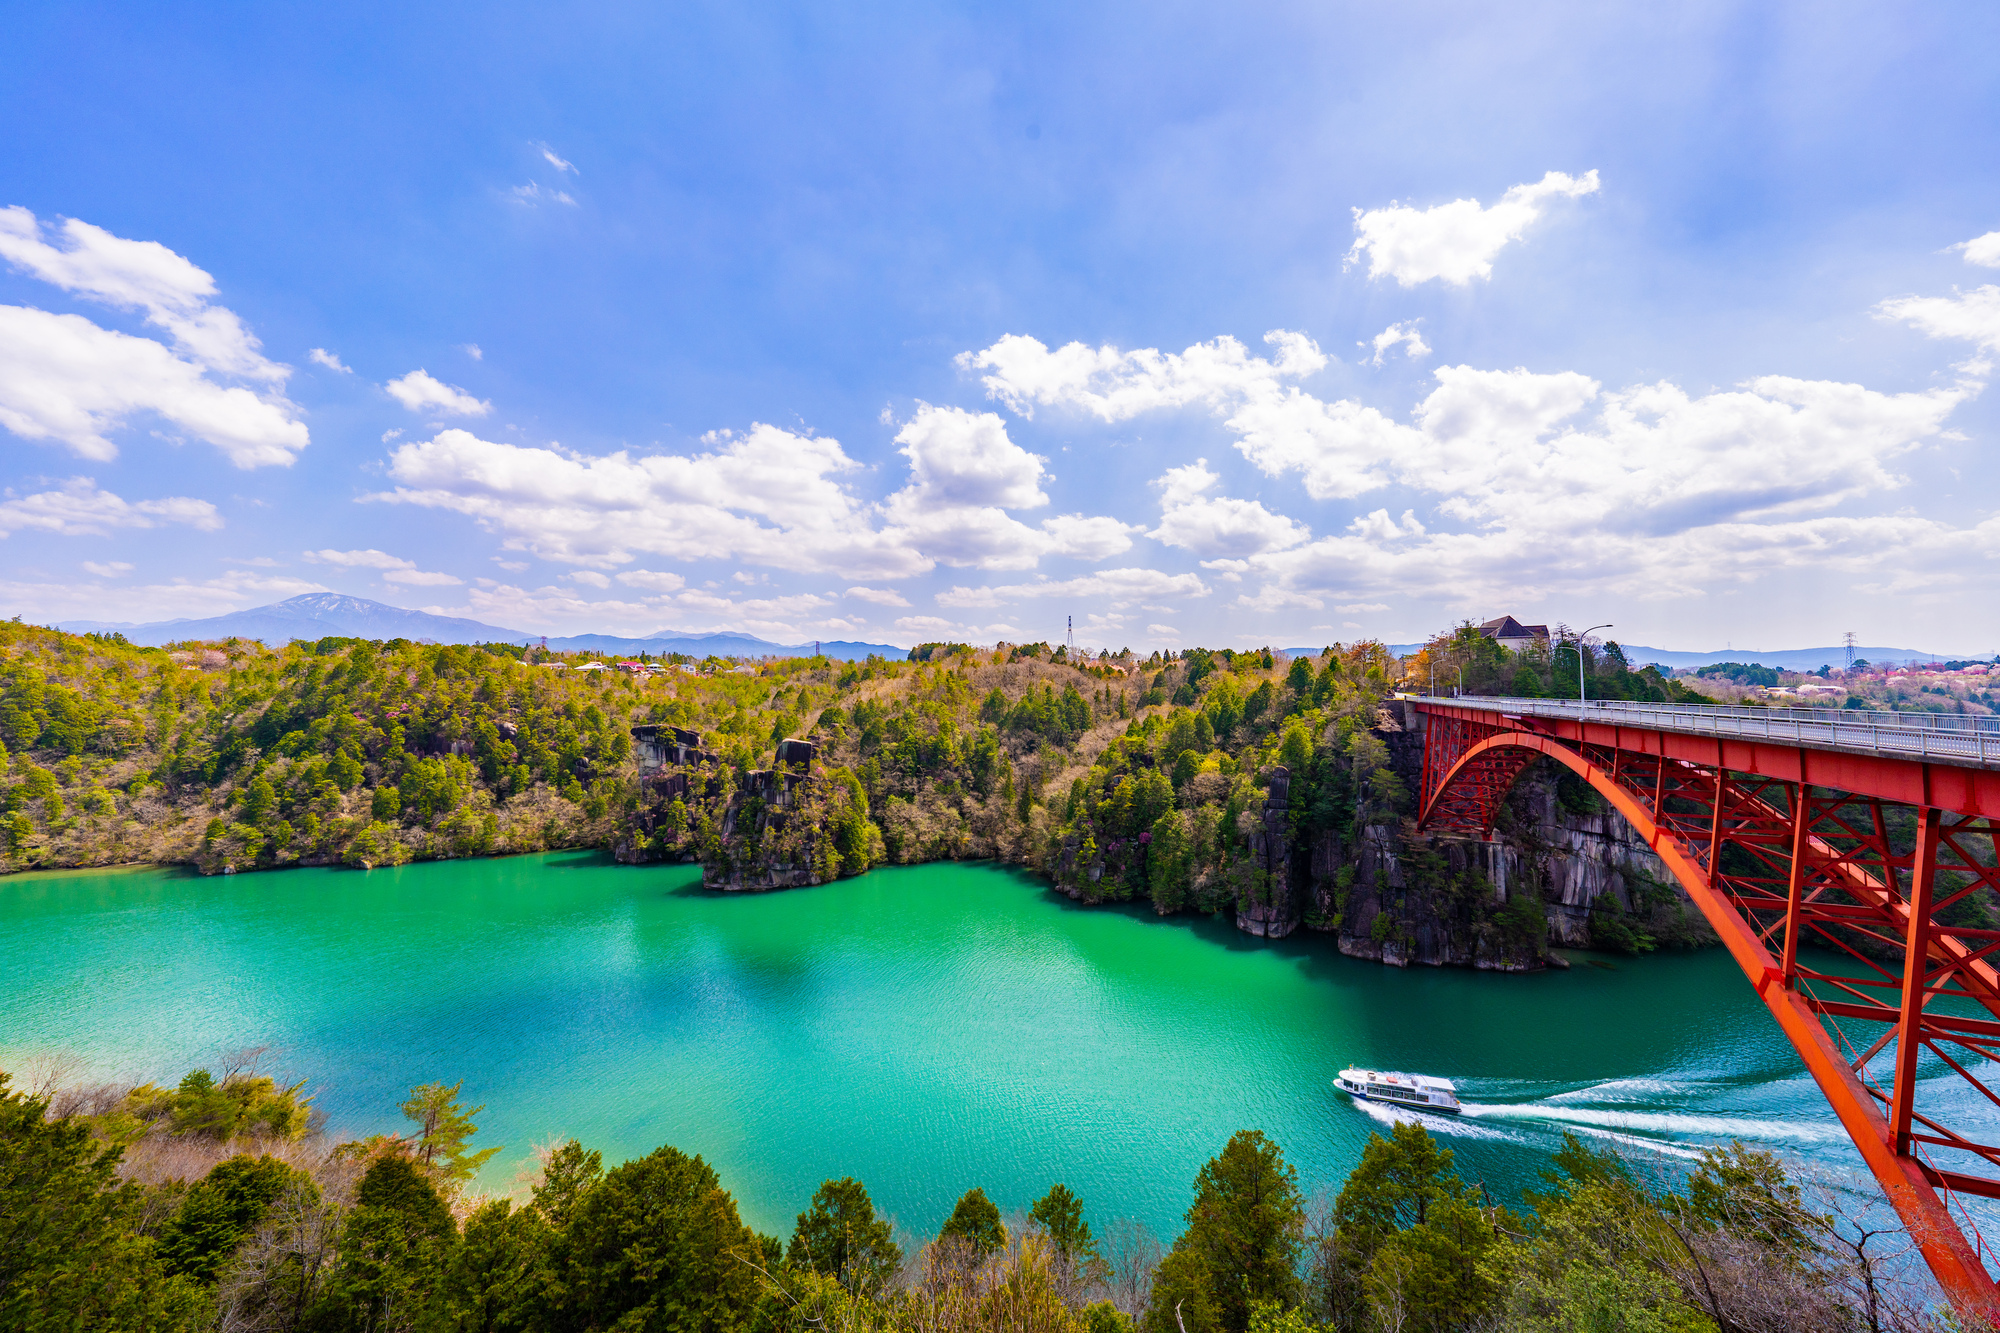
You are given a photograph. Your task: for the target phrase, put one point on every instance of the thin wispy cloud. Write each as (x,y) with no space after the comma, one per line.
(534,193)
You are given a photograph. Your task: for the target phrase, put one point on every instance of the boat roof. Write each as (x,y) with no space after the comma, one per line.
(1414,1080)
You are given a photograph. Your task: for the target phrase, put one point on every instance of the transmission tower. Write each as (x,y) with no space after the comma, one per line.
(1070,635)
(1847,640)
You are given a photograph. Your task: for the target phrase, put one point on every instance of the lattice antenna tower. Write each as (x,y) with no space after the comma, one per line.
(1847,641)
(1069,632)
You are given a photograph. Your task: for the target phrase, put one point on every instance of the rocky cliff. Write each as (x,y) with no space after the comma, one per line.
(1562,869)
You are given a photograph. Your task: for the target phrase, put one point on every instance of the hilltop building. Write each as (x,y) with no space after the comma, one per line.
(1512,635)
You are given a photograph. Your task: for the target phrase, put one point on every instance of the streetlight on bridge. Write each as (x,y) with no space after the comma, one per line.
(1582,698)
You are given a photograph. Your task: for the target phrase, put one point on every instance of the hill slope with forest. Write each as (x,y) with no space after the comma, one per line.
(1274,790)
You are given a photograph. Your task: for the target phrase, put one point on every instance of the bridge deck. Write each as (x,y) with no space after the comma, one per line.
(1964,739)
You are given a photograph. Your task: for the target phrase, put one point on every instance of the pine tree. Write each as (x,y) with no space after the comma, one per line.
(443,1126)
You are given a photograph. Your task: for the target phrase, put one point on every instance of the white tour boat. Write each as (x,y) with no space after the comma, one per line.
(1413,1090)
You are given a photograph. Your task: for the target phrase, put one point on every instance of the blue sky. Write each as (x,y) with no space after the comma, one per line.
(1218,324)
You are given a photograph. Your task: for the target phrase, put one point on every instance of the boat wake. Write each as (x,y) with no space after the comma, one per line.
(1663,1124)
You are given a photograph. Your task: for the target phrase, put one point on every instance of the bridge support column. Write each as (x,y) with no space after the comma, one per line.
(1916,971)
(1795,883)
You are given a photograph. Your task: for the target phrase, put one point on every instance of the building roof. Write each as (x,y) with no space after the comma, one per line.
(1506,627)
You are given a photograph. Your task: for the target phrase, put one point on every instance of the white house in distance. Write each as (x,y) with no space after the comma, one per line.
(1512,635)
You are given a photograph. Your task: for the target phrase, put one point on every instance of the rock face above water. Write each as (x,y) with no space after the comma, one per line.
(770,833)
(1562,868)
(1558,852)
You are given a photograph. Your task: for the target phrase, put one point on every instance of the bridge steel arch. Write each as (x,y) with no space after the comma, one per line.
(1779,846)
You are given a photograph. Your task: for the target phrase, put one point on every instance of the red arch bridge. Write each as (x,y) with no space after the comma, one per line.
(1832,851)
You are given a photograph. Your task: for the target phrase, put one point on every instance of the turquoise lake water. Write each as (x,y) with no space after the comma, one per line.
(926,1029)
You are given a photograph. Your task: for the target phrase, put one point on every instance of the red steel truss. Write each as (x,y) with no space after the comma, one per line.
(1859,855)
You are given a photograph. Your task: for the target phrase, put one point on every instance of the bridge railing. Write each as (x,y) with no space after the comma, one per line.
(1956,738)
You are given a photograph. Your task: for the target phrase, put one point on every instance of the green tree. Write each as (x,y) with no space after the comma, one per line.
(498,1280)
(1410,1235)
(218,1212)
(1245,1232)
(1183,1296)
(1591,1259)
(839,1235)
(394,1248)
(259,801)
(1060,1214)
(1170,862)
(201,1107)
(569,1174)
(345,770)
(393,1183)
(69,1258)
(976,1222)
(443,1126)
(658,1247)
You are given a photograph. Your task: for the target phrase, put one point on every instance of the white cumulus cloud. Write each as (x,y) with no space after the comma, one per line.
(965,474)
(319,356)
(657,580)
(80,509)
(1116,386)
(1972,316)
(1406,335)
(768,496)
(139,275)
(879,596)
(1529,481)
(50,603)
(1454,242)
(65,378)
(419,392)
(1216,527)
(1981,250)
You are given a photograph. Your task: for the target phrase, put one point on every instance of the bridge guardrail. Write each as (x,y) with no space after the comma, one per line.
(1958,738)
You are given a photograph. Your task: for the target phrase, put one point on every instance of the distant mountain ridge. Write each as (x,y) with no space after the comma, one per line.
(319,615)
(312,615)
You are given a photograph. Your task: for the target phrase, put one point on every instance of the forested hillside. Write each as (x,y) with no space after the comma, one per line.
(1200,781)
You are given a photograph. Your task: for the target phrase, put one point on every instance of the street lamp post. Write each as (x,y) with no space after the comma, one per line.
(1583,698)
